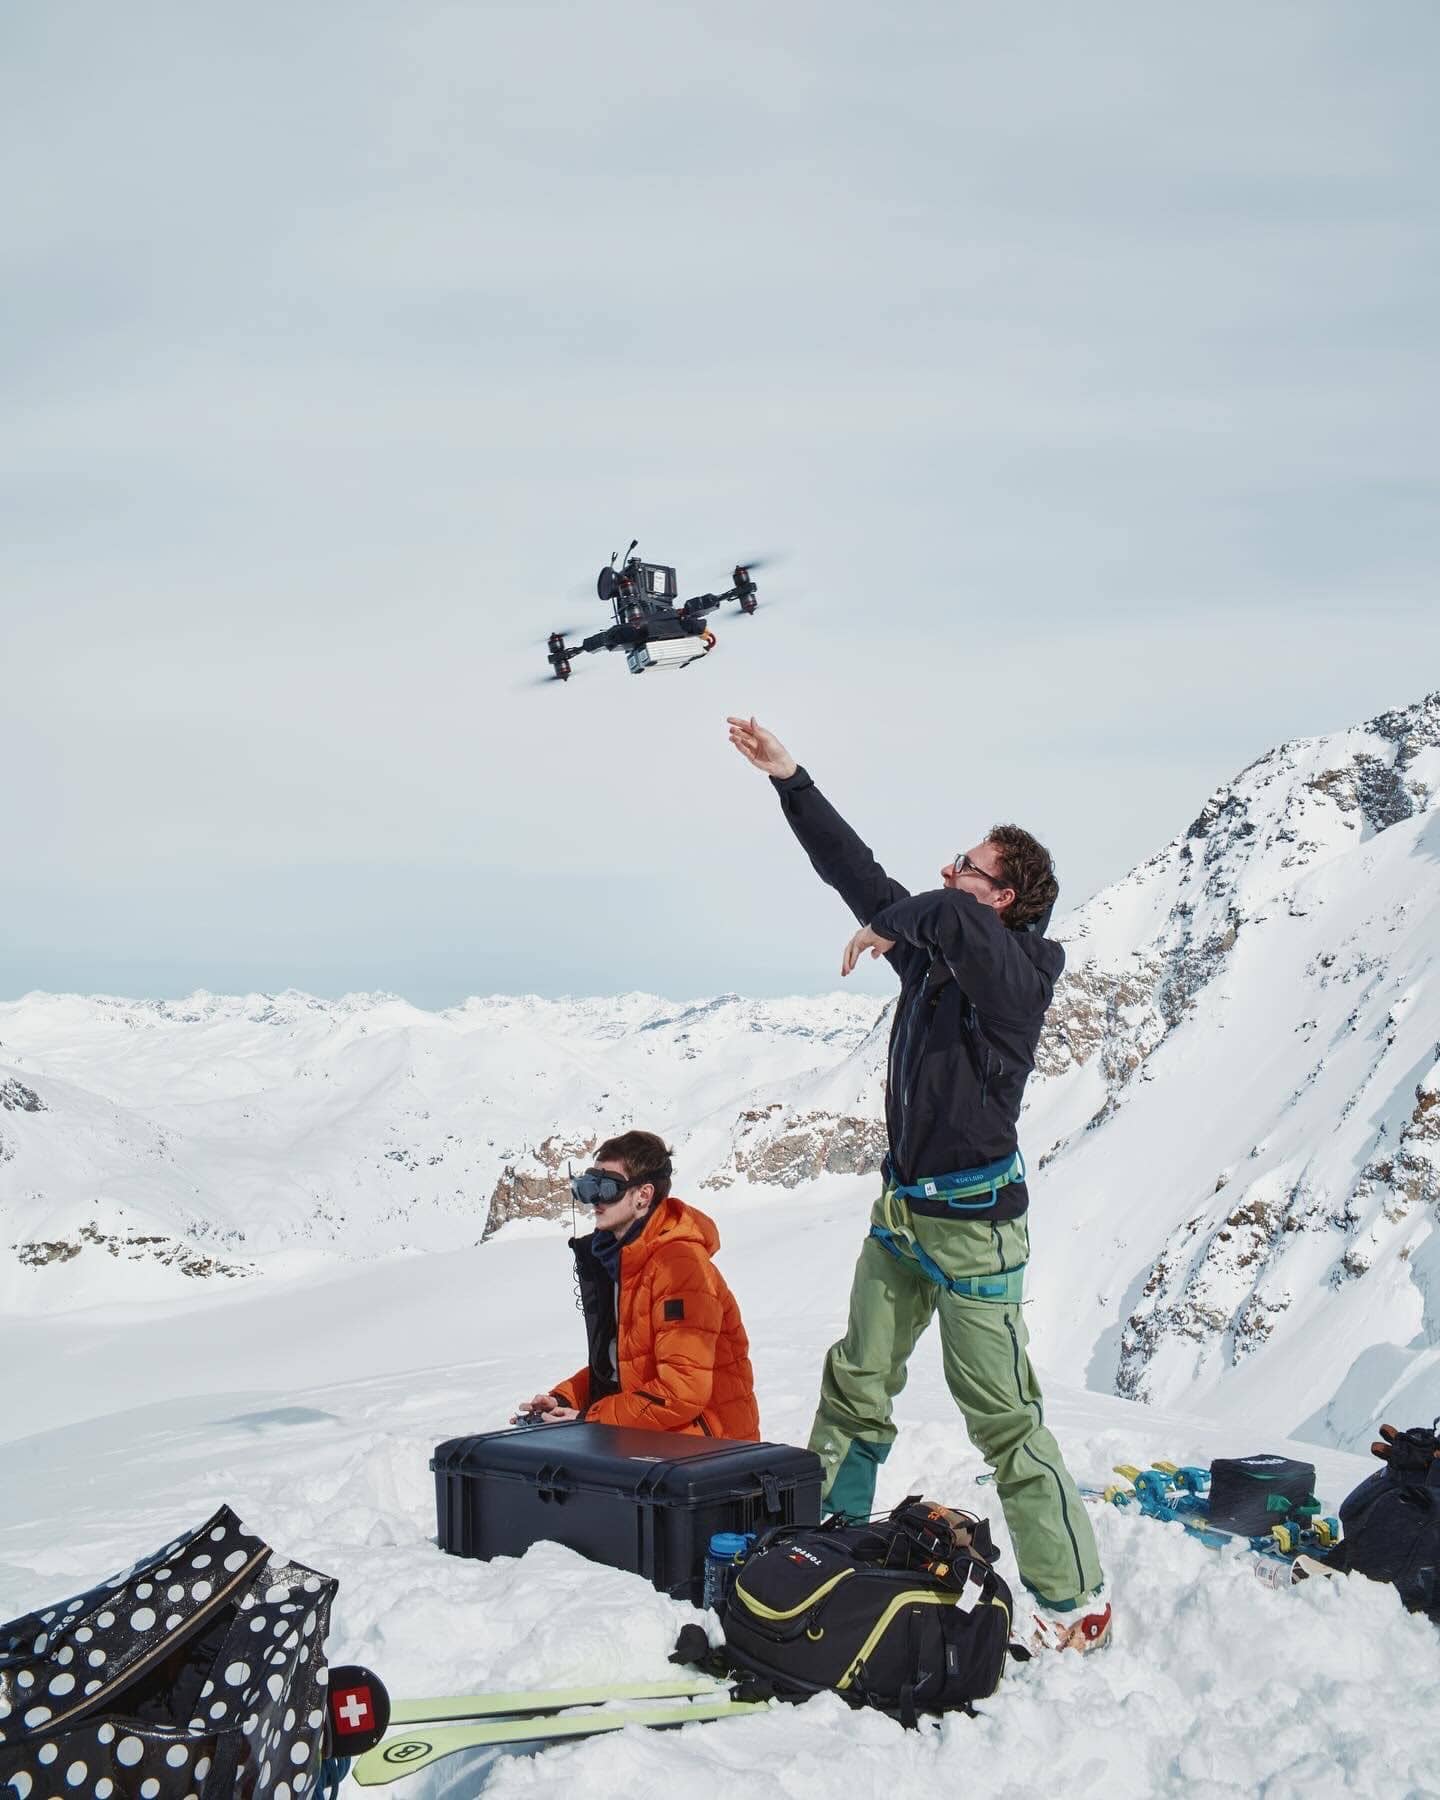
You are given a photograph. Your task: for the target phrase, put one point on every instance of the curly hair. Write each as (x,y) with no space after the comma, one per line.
(1027,866)
(640,1153)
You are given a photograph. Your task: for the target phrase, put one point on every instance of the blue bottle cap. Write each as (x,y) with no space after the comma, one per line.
(729,1544)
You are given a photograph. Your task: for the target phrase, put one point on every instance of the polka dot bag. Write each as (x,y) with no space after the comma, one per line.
(197,1675)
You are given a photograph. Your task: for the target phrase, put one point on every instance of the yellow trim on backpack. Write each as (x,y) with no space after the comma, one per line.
(761,1611)
(911,1597)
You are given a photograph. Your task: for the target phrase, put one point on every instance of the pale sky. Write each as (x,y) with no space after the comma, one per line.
(1082,360)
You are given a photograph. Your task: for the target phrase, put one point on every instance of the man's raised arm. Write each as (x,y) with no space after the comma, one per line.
(836,853)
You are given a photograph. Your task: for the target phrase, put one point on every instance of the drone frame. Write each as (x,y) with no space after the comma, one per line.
(644,615)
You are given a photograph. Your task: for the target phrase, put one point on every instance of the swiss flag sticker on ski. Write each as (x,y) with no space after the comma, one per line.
(359,1709)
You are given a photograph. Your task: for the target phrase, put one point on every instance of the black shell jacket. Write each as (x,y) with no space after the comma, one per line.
(973,997)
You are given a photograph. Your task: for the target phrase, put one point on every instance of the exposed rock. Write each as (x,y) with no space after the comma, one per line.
(1098,1013)
(1411,729)
(1415,1173)
(537,1186)
(16,1097)
(1256,1320)
(1374,788)
(788,1151)
(1208,1282)
(131,1246)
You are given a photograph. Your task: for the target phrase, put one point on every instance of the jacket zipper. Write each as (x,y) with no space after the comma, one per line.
(912,1057)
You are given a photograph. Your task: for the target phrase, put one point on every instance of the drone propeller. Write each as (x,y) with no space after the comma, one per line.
(540,681)
(751,563)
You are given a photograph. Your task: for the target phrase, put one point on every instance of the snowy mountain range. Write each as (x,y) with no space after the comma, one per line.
(1234,1134)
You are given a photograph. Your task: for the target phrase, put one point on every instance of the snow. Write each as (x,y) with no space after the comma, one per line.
(312,1405)
(277,1134)
(242,1261)
(1229,1134)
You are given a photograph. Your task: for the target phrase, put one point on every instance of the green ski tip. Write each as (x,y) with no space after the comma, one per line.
(403,1755)
(542,1700)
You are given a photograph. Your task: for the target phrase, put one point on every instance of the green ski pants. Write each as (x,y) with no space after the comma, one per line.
(982,1345)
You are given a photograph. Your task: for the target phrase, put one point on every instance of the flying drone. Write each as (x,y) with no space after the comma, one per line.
(653,626)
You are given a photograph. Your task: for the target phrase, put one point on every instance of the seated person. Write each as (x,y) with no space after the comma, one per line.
(667,1349)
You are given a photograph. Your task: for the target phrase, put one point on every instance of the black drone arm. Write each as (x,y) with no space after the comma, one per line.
(614,637)
(743,591)
(703,603)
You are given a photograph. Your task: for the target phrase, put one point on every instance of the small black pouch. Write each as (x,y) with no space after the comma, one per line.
(1249,1494)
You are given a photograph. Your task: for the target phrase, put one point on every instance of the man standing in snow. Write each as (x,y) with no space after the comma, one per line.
(668,1351)
(949,1233)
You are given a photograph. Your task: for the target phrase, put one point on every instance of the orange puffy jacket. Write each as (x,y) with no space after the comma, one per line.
(682,1351)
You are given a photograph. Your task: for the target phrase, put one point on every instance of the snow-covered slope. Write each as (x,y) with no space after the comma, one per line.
(312,1407)
(1234,1135)
(146,1144)
(1239,1124)
(202,1296)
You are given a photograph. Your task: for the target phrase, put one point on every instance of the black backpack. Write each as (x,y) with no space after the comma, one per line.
(1392,1520)
(905,1614)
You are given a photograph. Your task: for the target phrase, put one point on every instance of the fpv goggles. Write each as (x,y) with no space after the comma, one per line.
(598,1187)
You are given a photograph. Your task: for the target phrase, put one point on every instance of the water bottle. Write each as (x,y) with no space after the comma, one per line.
(728,1549)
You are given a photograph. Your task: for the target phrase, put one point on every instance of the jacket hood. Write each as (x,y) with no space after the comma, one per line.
(673,1222)
(1047,955)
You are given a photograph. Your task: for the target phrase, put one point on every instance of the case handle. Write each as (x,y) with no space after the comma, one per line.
(552,1483)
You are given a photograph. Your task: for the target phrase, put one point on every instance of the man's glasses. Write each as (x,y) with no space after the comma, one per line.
(962,865)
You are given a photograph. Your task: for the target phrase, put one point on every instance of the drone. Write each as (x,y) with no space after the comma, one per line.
(653,626)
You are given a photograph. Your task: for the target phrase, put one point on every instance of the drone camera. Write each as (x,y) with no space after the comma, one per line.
(657,582)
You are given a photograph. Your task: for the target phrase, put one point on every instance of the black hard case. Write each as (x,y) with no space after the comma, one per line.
(646,1501)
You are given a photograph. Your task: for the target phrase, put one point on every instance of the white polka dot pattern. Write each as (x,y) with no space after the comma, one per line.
(256,1725)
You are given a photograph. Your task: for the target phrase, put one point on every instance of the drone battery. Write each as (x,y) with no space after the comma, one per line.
(665,653)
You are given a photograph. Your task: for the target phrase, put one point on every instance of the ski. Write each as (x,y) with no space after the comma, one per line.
(402,1755)
(526,1704)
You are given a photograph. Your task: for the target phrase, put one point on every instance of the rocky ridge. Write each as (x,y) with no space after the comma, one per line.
(1285,929)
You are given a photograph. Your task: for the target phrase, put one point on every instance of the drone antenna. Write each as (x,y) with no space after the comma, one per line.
(633,543)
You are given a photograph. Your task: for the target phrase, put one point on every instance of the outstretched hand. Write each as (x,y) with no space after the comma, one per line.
(864,939)
(761,748)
